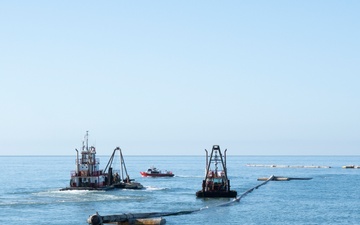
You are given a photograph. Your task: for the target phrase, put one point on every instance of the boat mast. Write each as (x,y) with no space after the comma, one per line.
(207,155)
(77,162)
(87,140)
(216,160)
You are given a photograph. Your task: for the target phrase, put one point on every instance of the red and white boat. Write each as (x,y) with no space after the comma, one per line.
(153,172)
(89,176)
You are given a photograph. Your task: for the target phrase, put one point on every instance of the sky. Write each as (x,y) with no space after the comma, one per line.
(176,77)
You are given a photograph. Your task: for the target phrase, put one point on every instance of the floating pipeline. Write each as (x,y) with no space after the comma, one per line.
(284,178)
(287,166)
(131,218)
(350,167)
(97,219)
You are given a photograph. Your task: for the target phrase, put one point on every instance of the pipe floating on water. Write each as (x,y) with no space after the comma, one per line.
(284,178)
(149,218)
(351,167)
(287,166)
(152,217)
(127,218)
(152,221)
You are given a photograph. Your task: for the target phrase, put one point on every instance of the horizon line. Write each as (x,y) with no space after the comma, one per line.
(162,155)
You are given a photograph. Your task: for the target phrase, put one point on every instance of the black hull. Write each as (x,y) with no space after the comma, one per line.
(216,194)
(133,185)
(87,188)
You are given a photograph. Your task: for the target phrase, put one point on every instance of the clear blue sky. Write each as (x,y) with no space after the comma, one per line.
(176,77)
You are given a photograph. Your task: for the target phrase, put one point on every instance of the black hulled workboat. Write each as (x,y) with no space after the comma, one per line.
(216,183)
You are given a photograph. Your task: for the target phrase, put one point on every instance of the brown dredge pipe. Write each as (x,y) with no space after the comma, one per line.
(96,219)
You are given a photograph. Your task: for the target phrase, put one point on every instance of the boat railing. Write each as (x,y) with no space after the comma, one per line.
(212,173)
(80,161)
(85,173)
(97,173)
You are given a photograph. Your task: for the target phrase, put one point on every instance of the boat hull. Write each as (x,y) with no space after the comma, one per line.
(216,194)
(121,185)
(132,185)
(87,188)
(144,174)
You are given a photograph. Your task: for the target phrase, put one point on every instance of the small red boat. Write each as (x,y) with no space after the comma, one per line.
(153,172)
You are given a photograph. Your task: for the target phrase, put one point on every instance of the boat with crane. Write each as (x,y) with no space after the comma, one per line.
(216,183)
(89,176)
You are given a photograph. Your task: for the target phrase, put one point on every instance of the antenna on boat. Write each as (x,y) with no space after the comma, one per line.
(87,140)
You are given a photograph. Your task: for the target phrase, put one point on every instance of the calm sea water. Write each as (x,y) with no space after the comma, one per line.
(29,192)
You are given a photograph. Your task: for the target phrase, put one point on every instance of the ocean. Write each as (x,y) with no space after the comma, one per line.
(29,192)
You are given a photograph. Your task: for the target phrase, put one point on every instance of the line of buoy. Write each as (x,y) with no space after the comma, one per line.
(286,166)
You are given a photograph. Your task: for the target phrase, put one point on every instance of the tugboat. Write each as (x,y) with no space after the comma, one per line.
(153,172)
(216,183)
(89,176)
